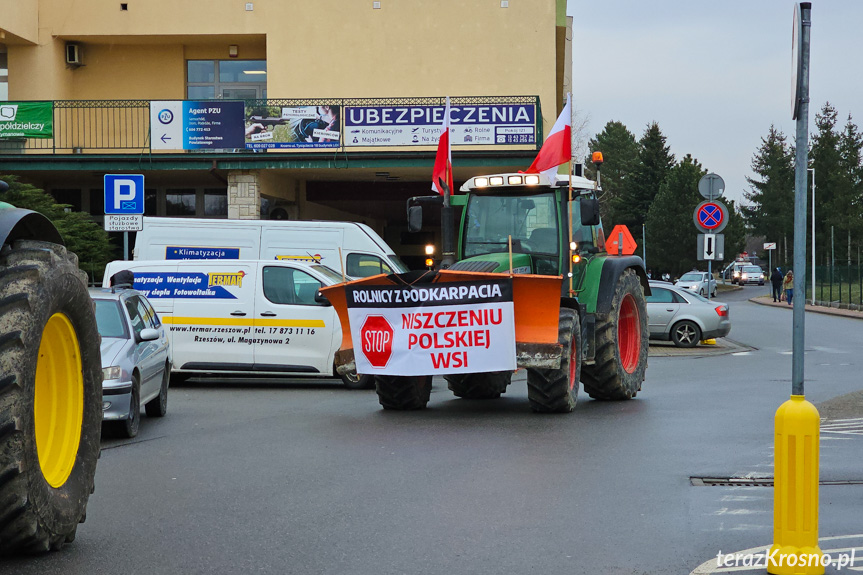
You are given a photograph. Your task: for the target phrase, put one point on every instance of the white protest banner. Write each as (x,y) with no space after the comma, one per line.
(433,329)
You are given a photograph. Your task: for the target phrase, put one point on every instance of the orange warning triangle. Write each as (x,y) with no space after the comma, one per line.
(613,238)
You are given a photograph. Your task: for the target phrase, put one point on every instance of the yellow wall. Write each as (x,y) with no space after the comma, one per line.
(324,48)
(19,21)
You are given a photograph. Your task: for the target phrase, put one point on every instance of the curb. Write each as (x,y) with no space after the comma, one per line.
(763,300)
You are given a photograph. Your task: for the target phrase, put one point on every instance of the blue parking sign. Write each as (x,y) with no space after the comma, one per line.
(124,193)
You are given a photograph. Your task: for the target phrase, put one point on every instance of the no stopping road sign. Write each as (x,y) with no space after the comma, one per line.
(710,216)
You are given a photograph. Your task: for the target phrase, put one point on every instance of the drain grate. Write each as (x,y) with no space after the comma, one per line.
(757,481)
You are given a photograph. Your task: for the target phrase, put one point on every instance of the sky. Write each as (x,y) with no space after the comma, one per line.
(713,74)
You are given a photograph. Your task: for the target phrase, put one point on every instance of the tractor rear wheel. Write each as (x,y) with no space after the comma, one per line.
(479,385)
(556,390)
(621,344)
(50,397)
(403,392)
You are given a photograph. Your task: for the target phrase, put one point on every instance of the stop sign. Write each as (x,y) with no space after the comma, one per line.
(377,340)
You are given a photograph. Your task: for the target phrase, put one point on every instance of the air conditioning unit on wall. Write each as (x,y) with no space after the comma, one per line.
(283,212)
(73,54)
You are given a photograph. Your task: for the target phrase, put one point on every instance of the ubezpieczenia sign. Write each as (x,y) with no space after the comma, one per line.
(459,327)
(26,119)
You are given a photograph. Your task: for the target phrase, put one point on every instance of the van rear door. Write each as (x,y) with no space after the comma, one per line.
(213,316)
(294,333)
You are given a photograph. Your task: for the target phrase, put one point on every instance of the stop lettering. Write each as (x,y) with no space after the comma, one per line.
(377,340)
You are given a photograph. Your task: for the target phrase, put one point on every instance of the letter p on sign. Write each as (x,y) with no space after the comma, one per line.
(124,194)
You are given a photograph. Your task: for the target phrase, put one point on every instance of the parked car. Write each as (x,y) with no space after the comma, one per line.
(698,283)
(135,359)
(750,274)
(684,317)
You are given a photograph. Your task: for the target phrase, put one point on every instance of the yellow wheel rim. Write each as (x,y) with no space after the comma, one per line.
(59,402)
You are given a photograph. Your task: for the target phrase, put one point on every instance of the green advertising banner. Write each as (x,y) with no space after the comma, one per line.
(26,119)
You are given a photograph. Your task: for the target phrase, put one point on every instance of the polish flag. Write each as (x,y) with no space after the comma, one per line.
(557,148)
(443,159)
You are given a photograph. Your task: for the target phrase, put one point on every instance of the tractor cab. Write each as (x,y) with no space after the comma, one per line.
(534,211)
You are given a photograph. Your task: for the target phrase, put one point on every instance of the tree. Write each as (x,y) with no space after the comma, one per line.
(825,159)
(735,231)
(654,162)
(620,154)
(771,213)
(847,204)
(671,237)
(82,235)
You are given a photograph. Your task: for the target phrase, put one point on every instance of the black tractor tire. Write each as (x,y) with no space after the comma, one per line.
(403,392)
(685,334)
(488,385)
(356,380)
(556,390)
(50,405)
(621,344)
(158,406)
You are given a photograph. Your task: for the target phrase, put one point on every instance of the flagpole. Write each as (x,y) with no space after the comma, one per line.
(569,170)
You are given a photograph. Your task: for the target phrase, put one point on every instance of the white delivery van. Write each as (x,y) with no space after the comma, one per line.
(243,316)
(364,252)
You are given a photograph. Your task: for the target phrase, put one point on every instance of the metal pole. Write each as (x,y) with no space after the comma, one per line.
(126,246)
(770,268)
(709,276)
(801,152)
(643,246)
(813,234)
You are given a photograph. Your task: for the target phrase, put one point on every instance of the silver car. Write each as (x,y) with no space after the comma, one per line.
(135,364)
(750,275)
(698,283)
(684,317)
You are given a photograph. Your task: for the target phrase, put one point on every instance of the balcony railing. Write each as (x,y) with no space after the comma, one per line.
(117,126)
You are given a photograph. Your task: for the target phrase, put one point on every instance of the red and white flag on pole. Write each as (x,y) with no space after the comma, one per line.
(557,148)
(443,159)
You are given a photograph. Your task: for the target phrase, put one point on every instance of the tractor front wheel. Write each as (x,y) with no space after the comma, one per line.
(621,344)
(50,396)
(556,390)
(403,392)
(479,385)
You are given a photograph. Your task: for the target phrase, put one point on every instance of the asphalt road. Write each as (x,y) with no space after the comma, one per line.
(307,477)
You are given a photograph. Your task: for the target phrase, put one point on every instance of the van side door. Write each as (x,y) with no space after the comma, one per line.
(213,316)
(293,332)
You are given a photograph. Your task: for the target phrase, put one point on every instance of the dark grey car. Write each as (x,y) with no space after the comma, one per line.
(684,317)
(135,359)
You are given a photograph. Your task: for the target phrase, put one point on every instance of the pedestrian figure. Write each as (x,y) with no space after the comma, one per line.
(776,281)
(788,286)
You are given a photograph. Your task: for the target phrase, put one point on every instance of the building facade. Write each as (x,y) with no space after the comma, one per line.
(271,108)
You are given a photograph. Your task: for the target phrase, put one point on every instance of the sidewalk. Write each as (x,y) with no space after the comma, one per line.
(768,300)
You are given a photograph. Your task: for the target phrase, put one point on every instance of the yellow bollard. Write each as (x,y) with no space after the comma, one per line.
(710,341)
(795,548)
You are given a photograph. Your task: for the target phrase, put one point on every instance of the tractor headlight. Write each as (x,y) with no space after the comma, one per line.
(514,180)
(531,180)
(480,182)
(112,372)
(496,180)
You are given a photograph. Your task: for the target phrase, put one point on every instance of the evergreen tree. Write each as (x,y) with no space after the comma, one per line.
(735,233)
(671,239)
(771,213)
(824,157)
(82,235)
(654,162)
(847,204)
(620,154)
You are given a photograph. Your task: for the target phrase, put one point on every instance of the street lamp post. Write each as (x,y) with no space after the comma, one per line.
(813,234)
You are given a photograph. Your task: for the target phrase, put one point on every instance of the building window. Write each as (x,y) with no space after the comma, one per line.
(4,74)
(151,203)
(216,202)
(180,202)
(97,202)
(226,79)
(69,197)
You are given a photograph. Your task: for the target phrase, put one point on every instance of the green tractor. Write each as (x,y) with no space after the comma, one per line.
(50,386)
(535,224)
